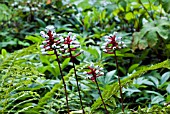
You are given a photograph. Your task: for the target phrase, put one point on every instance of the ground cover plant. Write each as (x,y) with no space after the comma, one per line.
(85,56)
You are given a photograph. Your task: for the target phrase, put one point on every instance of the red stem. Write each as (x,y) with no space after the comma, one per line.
(65,89)
(72,57)
(117,67)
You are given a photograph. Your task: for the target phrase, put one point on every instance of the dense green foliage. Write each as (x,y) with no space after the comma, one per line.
(31,82)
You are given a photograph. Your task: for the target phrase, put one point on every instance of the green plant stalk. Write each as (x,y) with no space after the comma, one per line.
(65,89)
(76,78)
(120,86)
(101,96)
(151,16)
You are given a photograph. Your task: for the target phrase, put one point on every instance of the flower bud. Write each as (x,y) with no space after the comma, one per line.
(43,50)
(41,46)
(70,33)
(44,53)
(44,42)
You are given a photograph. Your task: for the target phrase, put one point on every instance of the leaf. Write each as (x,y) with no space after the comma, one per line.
(4,53)
(129,16)
(114,88)
(34,39)
(130,91)
(65,63)
(166,5)
(157,99)
(151,38)
(154,80)
(143,44)
(165,77)
(109,76)
(168,88)
(132,67)
(41,22)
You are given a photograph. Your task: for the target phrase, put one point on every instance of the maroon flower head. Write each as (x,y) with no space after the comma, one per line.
(70,45)
(112,43)
(51,42)
(95,71)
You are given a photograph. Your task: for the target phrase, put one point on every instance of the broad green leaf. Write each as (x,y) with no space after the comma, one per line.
(168,88)
(143,44)
(151,38)
(130,91)
(165,77)
(154,80)
(129,16)
(157,99)
(109,76)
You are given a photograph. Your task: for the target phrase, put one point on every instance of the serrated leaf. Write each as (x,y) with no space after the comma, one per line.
(151,38)
(143,44)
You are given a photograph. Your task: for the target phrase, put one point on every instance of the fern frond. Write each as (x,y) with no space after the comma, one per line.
(113,89)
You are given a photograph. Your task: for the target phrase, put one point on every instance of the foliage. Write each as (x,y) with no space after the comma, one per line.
(31,82)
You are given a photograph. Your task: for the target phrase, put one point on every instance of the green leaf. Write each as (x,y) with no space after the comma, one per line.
(132,67)
(143,44)
(166,5)
(129,16)
(130,91)
(41,22)
(165,77)
(109,76)
(157,99)
(4,53)
(154,80)
(168,88)
(151,38)
(65,63)
(34,39)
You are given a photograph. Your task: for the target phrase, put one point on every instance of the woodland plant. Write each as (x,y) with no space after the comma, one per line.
(113,43)
(95,71)
(51,44)
(63,47)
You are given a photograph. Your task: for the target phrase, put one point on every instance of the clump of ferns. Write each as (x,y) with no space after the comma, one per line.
(67,47)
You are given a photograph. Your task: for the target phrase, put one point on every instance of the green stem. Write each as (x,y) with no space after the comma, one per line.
(120,87)
(151,16)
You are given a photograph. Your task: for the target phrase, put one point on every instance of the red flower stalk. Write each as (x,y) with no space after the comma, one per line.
(70,45)
(112,43)
(110,46)
(96,71)
(51,44)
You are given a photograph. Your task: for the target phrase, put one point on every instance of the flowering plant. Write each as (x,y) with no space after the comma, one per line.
(112,43)
(96,71)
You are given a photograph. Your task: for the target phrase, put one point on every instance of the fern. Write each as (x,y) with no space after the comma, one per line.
(113,89)
(16,76)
